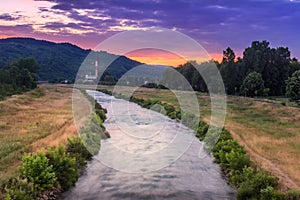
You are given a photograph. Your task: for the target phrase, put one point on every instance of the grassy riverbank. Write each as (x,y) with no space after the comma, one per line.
(32,121)
(41,169)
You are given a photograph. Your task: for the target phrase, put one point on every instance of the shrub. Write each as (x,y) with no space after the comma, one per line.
(64,166)
(293,195)
(91,134)
(225,135)
(211,137)
(190,120)
(76,148)
(178,114)
(252,187)
(36,170)
(269,193)
(172,115)
(202,130)
(19,189)
(244,193)
(239,177)
(101,114)
(237,160)
(169,109)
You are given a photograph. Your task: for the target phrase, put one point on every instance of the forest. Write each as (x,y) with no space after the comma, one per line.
(19,76)
(262,71)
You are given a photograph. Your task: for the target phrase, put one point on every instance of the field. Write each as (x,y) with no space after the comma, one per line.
(269,130)
(34,121)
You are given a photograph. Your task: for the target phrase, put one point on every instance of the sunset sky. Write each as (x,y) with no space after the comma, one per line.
(215,24)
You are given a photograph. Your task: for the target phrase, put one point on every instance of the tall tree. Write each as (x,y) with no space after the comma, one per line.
(272,63)
(229,71)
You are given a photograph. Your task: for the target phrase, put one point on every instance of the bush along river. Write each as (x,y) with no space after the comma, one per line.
(149,156)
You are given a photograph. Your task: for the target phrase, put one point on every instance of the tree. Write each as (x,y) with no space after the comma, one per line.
(253,85)
(293,86)
(272,63)
(27,63)
(229,71)
(228,55)
(294,66)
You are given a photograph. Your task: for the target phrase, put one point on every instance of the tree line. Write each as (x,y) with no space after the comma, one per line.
(18,76)
(261,71)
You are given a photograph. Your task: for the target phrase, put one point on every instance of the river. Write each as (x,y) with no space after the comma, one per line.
(148,156)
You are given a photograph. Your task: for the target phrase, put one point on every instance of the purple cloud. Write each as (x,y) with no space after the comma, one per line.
(215,24)
(8,17)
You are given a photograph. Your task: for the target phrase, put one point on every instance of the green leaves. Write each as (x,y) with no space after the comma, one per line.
(18,77)
(36,170)
(253,85)
(44,174)
(64,166)
(293,86)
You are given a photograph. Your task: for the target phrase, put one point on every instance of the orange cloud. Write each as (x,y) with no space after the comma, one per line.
(157,56)
(217,56)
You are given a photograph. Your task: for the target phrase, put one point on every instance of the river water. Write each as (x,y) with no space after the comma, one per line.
(148,156)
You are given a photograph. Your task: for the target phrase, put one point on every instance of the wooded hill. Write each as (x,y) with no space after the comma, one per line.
(59,60)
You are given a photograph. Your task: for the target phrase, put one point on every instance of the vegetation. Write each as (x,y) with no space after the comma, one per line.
(37,170)
(253,85)
(61,61)
(273,65)
(76,149)
(64,166)
(293,86)
(44,175)
(18,77)
(93,131)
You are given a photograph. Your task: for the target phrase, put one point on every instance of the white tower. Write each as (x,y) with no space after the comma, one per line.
(96,68)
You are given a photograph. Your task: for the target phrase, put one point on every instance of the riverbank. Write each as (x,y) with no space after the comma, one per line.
(40,130)
(236,169)
(33,121)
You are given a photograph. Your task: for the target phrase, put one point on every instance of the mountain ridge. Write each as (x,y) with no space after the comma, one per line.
(60,60)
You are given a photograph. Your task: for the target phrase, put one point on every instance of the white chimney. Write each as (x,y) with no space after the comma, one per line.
(96,68)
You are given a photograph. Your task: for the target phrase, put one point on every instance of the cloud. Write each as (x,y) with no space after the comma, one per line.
(9,17)
(217,24)
(18,30)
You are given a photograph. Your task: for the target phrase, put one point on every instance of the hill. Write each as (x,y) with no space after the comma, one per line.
(62,60)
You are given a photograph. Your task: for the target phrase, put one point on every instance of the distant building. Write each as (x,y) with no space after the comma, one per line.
(93,77)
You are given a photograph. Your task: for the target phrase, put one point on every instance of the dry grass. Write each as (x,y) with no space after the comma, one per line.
(34,121)
(269,131)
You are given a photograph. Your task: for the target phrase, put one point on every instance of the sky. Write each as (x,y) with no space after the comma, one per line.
(214,24)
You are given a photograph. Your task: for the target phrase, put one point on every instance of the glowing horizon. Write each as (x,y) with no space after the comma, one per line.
(161,57)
